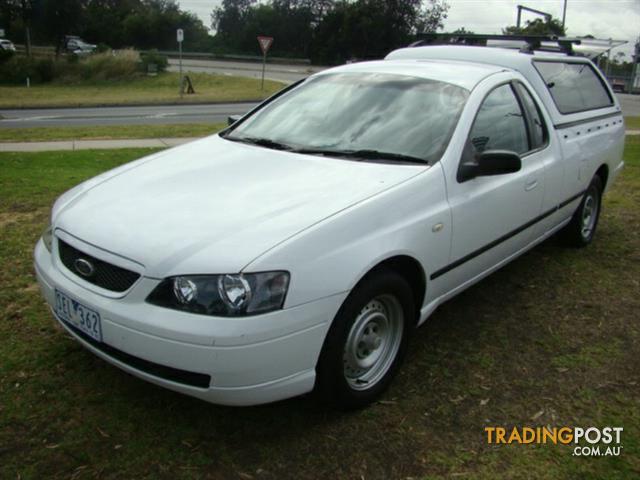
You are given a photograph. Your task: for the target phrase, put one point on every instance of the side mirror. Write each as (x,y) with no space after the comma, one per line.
(231,119)
(490,162)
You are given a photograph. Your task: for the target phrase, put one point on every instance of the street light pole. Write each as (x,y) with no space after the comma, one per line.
(564,13)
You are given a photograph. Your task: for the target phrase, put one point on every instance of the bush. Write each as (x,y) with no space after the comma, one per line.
(152,57)
(121,65)
(106,66)
(5,55)
(45,70)
(18,68)
(102,47)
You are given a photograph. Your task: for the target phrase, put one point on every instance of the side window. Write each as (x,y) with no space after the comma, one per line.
(536,124)
(575,87)
(500,123)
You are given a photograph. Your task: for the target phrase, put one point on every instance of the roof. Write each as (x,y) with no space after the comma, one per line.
(444,70)
(506,59)
(503,57)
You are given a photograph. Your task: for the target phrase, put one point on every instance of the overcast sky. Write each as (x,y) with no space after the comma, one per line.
(617,19)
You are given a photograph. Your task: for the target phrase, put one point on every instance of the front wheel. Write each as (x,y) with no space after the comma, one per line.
(366,342)
(580,231)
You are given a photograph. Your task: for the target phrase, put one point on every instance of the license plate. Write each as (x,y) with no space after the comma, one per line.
(77,315)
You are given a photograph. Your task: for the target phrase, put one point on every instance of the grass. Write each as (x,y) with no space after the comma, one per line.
(108,132)
(144,90)
(632,123)
(551,339)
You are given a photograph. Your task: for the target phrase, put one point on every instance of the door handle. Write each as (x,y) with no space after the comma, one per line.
(530,185)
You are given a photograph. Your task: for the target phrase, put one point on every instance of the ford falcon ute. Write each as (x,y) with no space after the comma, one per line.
(298,249)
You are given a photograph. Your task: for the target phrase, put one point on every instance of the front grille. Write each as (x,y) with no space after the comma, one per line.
(104,275)
(185,377)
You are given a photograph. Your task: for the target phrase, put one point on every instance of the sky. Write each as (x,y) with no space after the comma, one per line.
(616,19)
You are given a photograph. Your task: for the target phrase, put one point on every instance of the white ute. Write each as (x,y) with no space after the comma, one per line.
(298,249)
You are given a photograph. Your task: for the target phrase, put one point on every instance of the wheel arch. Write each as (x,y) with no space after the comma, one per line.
(603,173)
(410,269)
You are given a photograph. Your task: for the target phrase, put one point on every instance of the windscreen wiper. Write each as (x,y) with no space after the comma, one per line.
(363,155)
(262,142)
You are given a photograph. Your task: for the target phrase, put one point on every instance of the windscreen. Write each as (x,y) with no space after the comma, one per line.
(362,111)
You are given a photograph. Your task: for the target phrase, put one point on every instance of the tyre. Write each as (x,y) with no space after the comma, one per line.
(366,342)
(580,230)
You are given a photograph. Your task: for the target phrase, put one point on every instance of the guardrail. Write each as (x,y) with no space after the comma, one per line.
(233,57)
(622,83)
(36,50)
(48,51)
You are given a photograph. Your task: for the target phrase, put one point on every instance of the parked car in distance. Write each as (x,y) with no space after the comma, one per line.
(619,85)
(78,46)
(7,45)
(298,249)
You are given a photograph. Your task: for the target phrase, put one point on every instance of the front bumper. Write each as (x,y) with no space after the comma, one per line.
(245,361)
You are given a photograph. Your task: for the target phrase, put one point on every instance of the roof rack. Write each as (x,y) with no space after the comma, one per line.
(525,43)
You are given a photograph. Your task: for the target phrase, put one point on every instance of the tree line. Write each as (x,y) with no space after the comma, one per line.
(327,31)
(143,24)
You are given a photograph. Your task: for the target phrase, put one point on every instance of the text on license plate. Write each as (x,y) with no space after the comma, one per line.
(83,318)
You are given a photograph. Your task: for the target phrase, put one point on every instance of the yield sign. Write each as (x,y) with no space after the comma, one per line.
(265,43)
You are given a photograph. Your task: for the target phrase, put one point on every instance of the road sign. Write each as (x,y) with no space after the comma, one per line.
(265,43)
(180,37)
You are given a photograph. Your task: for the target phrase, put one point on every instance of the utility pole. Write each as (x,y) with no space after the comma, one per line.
(26,18)
(564,13)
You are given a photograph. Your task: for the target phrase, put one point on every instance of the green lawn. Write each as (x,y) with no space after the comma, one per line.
(143,90)
(108,132)
(632,123)
(551,339)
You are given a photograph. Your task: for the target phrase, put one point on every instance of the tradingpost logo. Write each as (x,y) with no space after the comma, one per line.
(586,442)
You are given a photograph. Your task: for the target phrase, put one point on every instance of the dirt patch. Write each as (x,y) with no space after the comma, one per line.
(10,218)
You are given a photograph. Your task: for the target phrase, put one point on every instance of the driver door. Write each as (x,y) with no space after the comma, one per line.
(491,214)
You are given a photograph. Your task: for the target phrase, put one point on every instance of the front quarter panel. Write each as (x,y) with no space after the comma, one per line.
(332,256)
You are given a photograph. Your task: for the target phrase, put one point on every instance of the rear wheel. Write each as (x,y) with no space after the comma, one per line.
(366,342)
(580,231)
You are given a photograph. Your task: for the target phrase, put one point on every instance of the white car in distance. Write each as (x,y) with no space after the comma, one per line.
(298,249)
(7,45)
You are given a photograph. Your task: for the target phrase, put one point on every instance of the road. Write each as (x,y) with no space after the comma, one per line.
(630,104)
(152,115)
(155,115)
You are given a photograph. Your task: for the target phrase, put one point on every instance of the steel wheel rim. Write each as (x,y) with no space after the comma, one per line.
(373,342)
(589,215)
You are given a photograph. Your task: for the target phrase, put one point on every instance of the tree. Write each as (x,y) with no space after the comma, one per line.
(371,28)
(432,16)
(537,27)
(153,24)
(325,30)
(62,18)
(228,19)
(463,31)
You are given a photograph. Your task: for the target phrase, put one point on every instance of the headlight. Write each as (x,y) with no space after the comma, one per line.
(230,295)
(47,237)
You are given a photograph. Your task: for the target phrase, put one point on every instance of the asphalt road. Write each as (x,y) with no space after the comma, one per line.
(630,104)
(155,115)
